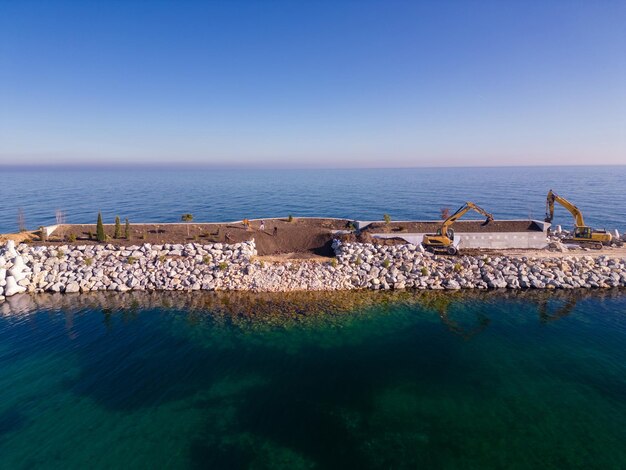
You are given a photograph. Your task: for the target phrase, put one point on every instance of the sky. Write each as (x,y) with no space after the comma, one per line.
(313,84)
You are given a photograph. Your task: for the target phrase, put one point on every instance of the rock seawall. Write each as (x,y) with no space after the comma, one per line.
(72,269)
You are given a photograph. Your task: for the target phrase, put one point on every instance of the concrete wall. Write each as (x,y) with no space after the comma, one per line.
(498,240)
(482,240)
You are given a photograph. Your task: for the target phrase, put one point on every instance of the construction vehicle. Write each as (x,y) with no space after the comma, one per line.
(583,235)
(444,240)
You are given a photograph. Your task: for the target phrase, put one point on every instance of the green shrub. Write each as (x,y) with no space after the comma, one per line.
(262,263)
(290,218)
(386,263)
(131,259)
(88,261)
(118,227)
(387,219)
(358,261)
(100,235)
(223,265)
(207,260)
(458,268)
(187,218)
(60,254)
(425,271)
(71,238)
(333,262)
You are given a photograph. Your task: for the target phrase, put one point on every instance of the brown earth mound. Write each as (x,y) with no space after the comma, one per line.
(306,236)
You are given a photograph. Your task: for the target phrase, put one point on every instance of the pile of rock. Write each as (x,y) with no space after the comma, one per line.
(13,272)
(556,245)
(401,266)
(96,267)
(192,266)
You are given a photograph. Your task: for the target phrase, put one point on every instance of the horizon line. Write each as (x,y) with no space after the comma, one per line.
(208,166)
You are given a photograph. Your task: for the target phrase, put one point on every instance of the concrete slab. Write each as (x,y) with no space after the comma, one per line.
(475,235)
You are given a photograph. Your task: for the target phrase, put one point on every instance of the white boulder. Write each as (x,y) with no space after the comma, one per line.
(12,288)
(18,263)
(9,248)
(72,287)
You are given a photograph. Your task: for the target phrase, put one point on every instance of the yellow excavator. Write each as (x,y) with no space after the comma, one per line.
(582,234)
(443,241)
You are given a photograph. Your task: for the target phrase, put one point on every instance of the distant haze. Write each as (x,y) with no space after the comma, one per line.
(313,84)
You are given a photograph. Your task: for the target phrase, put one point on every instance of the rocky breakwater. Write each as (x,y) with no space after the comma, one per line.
(72,269)
(86,268)
(403,266)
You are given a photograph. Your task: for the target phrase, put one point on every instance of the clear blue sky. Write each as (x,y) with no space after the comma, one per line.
(354,83)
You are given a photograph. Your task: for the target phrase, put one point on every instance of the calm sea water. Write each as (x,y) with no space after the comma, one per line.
(355,380)
(211,195)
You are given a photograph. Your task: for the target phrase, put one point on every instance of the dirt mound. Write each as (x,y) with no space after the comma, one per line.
(278,236)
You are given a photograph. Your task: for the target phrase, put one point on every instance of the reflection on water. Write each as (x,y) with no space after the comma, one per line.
(469,379)
(248,309)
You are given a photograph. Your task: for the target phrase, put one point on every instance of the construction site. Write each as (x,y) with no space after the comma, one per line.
(307,238)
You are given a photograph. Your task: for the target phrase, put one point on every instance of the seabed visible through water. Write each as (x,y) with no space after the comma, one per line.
(470,379)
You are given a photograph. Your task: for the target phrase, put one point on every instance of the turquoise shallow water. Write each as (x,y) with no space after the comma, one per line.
(354,380)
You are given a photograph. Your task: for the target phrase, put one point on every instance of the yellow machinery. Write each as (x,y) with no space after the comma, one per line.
(443,241)
(582,233)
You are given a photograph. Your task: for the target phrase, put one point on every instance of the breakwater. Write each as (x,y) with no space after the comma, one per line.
(192,267)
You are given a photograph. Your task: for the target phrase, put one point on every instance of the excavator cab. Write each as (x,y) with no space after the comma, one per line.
(582,232)
(449,233)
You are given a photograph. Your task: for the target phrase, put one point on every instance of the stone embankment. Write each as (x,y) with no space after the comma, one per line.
(72,269)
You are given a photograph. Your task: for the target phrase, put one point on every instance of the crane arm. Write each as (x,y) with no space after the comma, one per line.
(575,211)
(468,206)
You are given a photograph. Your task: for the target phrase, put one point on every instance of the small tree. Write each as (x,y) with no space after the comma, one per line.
(127,229)
(100,235)
(187,218)
(59,215)
(118,227)
(21,221)
(444,212)
(387,218)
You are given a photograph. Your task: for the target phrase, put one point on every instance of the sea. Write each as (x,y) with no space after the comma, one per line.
(363,380)
(164,194)
(366,380)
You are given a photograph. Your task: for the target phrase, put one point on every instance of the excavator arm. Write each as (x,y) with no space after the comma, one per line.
(575,211)
(468,206)
(443,239)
